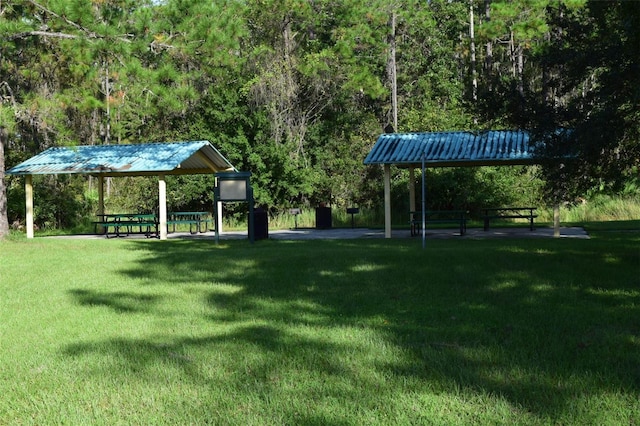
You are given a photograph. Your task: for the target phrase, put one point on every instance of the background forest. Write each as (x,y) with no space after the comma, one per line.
(297,91)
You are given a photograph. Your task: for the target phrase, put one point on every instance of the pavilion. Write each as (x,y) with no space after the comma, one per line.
(449,149)
(147,159)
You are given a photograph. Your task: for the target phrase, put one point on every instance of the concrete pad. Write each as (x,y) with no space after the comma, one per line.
(351,233)
(565,232)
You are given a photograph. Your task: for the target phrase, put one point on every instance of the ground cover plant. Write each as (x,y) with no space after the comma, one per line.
(349,332)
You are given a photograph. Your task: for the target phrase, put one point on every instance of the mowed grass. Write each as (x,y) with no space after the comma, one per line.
(352,332)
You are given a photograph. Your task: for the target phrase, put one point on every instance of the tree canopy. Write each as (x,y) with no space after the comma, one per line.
(297,91)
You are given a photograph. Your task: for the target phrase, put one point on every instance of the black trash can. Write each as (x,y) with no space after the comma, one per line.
(260,224)
(323,217)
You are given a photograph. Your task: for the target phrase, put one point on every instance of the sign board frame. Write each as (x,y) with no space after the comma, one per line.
(232,187)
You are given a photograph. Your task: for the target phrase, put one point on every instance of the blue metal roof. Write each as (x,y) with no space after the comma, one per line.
(138,159)
(457,148)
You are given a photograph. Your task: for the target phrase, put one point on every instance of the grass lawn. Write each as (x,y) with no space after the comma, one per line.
(351,332)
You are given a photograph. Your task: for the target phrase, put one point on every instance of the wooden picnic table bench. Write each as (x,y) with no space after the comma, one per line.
(127,223)
(438,216)
(197,221)
(528,213)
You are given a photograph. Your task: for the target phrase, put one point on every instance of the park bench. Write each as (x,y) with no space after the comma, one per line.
(528,213)
(197,221)
(458,217)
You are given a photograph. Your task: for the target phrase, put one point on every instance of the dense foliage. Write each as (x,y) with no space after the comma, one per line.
(296,91)
(593,88)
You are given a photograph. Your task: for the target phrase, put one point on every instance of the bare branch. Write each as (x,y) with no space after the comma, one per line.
(27,34)
(154,46)
(7,89)
(89,33)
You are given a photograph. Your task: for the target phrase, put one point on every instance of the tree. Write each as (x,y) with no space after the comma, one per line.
(431,66)
(595,51)
(4,223)
(85,71)
(48,56)
(295,91)
(512,32)
(308,63)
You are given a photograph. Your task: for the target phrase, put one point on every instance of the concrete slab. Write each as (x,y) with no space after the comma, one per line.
(351,233)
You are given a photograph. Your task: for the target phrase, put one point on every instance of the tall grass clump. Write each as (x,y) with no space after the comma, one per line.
(596,209)
(366,218)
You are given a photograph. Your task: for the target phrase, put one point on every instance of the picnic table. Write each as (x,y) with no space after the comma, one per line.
(458,217)
(528,213)
(120,224)
(197,221)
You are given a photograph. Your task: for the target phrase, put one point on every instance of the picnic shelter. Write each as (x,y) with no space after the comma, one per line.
(448,149)
(101,161)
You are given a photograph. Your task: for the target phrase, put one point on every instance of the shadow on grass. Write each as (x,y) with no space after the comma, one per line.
(534,322)
(118,301)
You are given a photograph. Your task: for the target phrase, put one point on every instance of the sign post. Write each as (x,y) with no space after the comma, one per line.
(231,187)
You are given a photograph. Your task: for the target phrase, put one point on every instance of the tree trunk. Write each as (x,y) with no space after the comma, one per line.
(393,70)
(4,220)
(547,90)
(472,36)
(488,59)
(107,98)
(520,70)
(549,74)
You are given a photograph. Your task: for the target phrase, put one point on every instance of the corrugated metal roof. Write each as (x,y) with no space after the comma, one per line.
(452,148)
(137,159)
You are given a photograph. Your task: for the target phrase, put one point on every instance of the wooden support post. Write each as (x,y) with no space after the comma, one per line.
(219,216)
(387,201)
(412,189)
(100,212)
(556,220)
(28,190)
(100,195)
(162,207)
